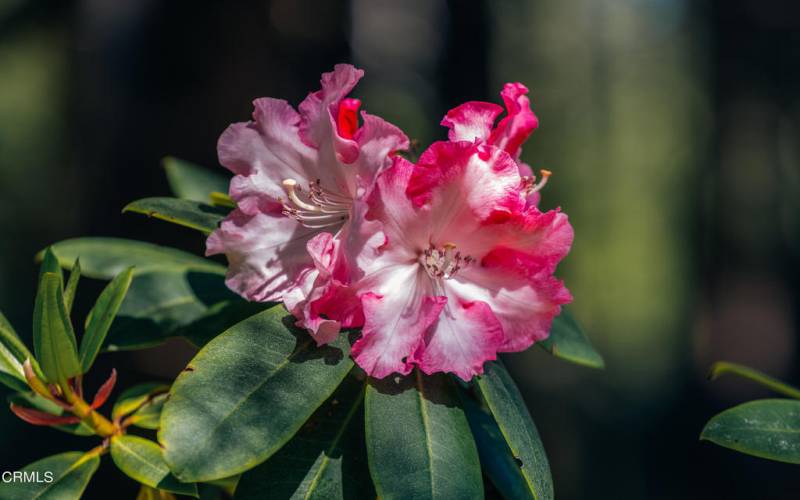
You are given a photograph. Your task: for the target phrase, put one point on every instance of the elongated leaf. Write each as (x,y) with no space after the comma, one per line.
(69,473)
(325,460)
(32,400)
(245,394)
(160,305)
(102,315)
(12,354)
(49,263)
(193,182)
(766,428)
(132,399)
(104,258)
(418,441)
(72,285)
(191,214)
(149,415)
(143,460)
(497,460)
(53,338)
(516,425)
(567,341)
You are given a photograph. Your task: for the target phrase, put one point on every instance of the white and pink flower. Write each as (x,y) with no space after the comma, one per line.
(444,263)
(296,177)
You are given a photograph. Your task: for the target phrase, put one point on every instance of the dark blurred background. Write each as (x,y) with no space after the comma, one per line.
(671,128)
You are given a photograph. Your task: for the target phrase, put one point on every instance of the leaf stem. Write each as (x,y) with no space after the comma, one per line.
(724,367)
(97,422)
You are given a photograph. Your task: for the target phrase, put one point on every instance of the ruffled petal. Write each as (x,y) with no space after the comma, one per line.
(377,140)
(466,335)
(397,312)
(525,306)
(315,109)
(471,121)
(461,180)
(520,122)
(266,254)
(264,152)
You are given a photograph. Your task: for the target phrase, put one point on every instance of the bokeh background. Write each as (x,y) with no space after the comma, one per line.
(671,126)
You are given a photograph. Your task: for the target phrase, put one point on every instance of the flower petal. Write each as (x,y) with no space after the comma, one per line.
(377,140)
(396,315)
(316,107)
(471,121)
(466,335)
(266,254)
(520,122)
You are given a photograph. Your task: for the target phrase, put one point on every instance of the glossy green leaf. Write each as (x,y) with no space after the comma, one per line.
(70,473)
(143,460)
(418,440)
(134,398)
(325,460)
(148,493)
(53,338)
(72,285)
(497,460)
(766,428)
(245,394)
(160,305)
(32,400)
(193,182)
(506,405)
(102,315)
(12,354)
(104,258)
(187,213)
(568,341)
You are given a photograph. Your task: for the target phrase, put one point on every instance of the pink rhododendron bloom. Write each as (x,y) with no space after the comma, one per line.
(474,121)
(297,175)
(461,269)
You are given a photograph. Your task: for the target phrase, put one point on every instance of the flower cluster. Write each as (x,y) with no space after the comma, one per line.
(443,263)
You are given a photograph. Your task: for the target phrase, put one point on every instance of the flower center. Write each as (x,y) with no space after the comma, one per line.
(443,262)
(317,207)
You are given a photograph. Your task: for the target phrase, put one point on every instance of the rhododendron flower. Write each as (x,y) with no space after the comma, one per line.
(462,268)
(296,176)
(474,121)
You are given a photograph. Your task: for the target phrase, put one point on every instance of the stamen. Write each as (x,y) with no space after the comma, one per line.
(542,182)
(443,262)
(322,208)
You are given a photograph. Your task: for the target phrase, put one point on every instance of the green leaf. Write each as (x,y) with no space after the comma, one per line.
(72,285)
(104,258)
(160,305)
(53,338)
(514,421)
(193,182)
(70,473)
(766,428)
(49,263)
(497,460)
(143,460)
(30,399)
(326,459)
(191,214)
(12,354)
(102,315)
(134,398)
(418,440)
(567,341)
(149,415)
(724,367)
(245,394)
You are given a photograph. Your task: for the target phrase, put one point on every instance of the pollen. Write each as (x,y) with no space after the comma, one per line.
(443,262)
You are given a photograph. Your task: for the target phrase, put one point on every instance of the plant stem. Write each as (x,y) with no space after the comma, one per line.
(723,367)
(100,424)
